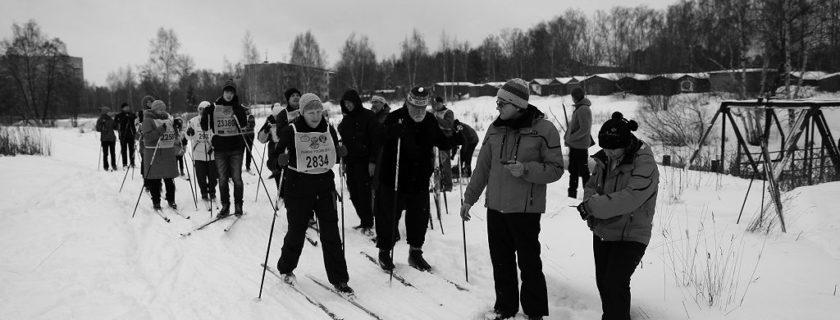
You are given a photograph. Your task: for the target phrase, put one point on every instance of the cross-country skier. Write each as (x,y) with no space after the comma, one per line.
(358,129)
(127,131)
(161,145)
(418,132)
(106,126)
(226,119)
(446,121)
(280,118)
(309,186)
(202,155)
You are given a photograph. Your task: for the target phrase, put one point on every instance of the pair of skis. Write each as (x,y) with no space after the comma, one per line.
(405,282)
(212,221)
(159,212)
(349,298)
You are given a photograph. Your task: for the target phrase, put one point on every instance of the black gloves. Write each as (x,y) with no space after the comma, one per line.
(584,213)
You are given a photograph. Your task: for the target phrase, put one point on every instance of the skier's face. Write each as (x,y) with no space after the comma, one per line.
(614,154)
(313,116)
(294,100)
(228,95)
(507,110)
(417,113)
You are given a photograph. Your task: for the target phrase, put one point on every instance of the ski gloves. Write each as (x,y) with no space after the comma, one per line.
(586,215)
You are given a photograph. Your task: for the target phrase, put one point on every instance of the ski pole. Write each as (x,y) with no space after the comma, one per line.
(463,225)
(123,182)
(270,235)
(341,181)
(259,172)
(98,157)
(262,162)
(148,168)
(394,217)
(189,179)
(565,116)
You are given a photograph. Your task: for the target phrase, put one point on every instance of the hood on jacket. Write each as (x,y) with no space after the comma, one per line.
(352,96)
(531,115)
(582,102)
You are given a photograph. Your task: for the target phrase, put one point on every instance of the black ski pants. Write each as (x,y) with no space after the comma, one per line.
(578,167)
(466,159)
(358,184)
(416,206)
(207,176)
(299,211)
(127,151)
(615,262)
(514,237)
(108,148)
(154,186)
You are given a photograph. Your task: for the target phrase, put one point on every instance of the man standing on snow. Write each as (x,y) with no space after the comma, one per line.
(280,118)
(520,156)
(417,132)
(579,138)
(358,129)
(127,131)
(226,119)
(468,139)
(106,127)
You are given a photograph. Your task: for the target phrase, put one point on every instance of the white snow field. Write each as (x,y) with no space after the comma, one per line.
(71,250)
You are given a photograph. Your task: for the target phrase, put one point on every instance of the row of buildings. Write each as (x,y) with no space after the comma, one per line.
(661,84)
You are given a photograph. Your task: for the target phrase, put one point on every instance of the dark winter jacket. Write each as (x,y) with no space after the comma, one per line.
(531,140)
(623,199)
(578,134)
(416,153)
(466,135)
(158,128)
(233,142)
(357,129)
(125,125)
(106,126)
(446,120)
(297,184)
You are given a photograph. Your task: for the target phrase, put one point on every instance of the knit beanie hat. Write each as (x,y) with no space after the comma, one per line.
(378,98)
(418,97)
(289,92)
(310,100)
(516,92)
(158,106)
(616,132)
(229,85)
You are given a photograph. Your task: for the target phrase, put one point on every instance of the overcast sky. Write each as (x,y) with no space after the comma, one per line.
(116,33)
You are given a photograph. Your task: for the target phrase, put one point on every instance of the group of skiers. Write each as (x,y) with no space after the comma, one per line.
(391,158)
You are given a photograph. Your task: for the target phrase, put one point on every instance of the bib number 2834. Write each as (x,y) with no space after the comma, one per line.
(317,161)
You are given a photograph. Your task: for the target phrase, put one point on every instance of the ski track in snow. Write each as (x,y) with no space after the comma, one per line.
(72,250)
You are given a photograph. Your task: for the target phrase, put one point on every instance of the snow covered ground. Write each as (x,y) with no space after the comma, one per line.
(72,251)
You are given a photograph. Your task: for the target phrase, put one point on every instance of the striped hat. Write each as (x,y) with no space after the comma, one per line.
(418,97)
(514,91)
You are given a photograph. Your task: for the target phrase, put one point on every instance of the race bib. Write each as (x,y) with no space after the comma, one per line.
(203,137)
(315,151)
(167,139)
(224,124)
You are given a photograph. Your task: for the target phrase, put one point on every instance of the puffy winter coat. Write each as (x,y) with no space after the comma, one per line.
(579,135)
(106,126)
(202,149)
(531,140)
(623,199)
(159,128)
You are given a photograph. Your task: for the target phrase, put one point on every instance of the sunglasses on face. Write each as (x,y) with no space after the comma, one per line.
(501,103)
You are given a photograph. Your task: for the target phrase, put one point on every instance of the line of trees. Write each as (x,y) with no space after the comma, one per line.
(688,36)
